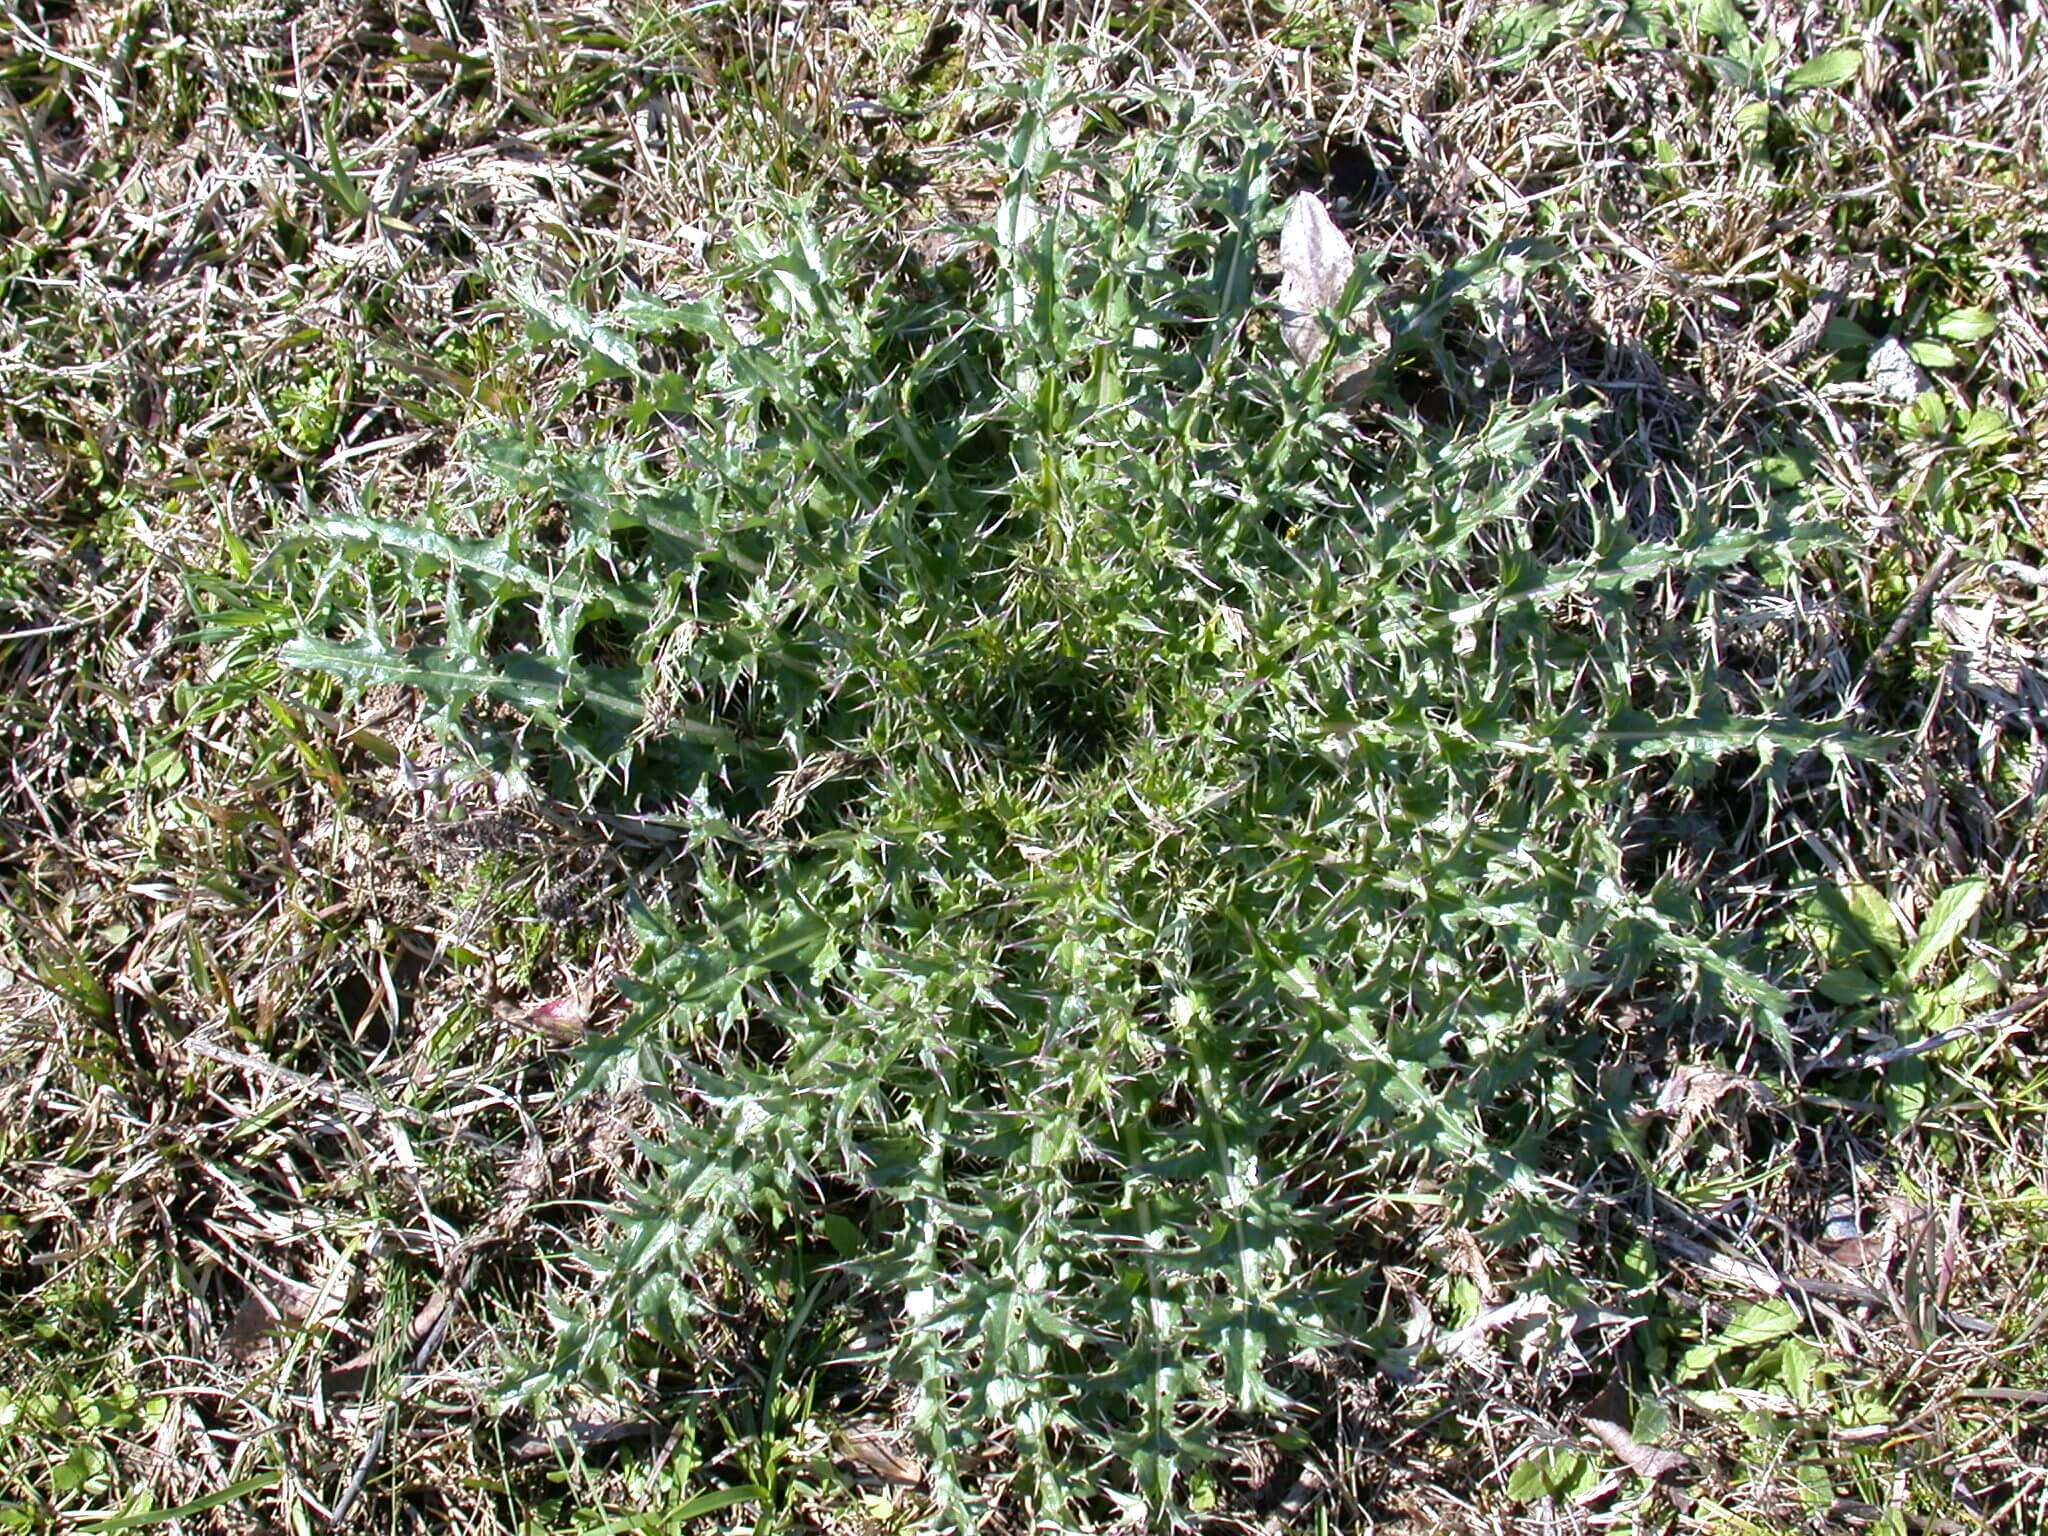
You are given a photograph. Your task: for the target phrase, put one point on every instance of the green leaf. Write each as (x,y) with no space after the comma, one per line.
(1759,1323)
(1849,986)
(1986,429)
(1522,30)
(709,1503)
(1926,415)
(553,315)
(1948,917)
(1552,1474)
(1967,324)
(1720,20)
(1756,1325)
(718,1498)
(354,199)
(1844,334)
(1854,925)
(846,1238)
(1905,1094)
(640,313)
(231,1494)
(1933,354)
(1977,983)
(1836,67)
(1798,1366)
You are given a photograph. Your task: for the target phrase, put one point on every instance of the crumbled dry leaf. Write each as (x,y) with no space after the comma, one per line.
(1471,1342)
(1064,128)
(1984,662)
(1462,1255)
(1535,1326)
(1301,1498)
(1694,1090)
(1398,1361)
(1693,1095)
(1315,267)
(795,788)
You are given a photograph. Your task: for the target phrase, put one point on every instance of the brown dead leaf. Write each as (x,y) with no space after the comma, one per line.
(564,1437)
(1917,1242)
(1853,1252)
(877,1454)
(274,1306)
(1646,1461)
(560,1019)
(247,1339)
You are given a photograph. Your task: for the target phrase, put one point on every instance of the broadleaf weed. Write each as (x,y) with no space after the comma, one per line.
(1138,816)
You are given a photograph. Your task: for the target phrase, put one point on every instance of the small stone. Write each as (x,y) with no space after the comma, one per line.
(1892,372)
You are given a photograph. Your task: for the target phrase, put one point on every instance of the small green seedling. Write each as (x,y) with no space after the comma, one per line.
(1882,981)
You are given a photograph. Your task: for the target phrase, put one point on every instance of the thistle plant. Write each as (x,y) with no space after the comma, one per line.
(1138,814)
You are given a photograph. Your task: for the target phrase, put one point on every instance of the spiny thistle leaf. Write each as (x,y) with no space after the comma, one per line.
(1135,811)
